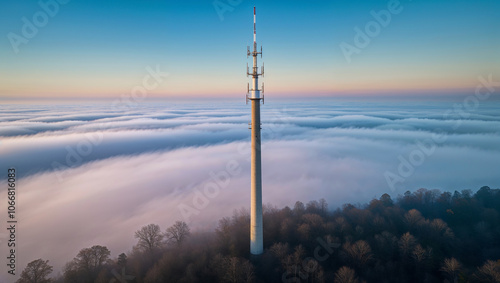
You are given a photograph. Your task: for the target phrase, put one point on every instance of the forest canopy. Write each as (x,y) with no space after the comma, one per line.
(421,236)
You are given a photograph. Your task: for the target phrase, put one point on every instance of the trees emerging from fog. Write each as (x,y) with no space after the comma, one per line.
(150,238)
(88,265)
(37,271)
(177,233)
(424,236)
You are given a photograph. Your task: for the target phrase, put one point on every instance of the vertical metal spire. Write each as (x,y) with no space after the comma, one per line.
(254,31)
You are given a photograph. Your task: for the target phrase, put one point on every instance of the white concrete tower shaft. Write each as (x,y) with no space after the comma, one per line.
(256,237)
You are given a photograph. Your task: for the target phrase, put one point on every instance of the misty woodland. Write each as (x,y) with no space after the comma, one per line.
(424,236)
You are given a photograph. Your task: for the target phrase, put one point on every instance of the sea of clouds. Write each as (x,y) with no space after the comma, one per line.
(92,173)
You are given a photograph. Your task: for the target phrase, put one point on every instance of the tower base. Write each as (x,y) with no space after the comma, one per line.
(256,229)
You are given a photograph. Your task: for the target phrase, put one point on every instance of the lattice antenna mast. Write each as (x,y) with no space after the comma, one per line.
(255,92)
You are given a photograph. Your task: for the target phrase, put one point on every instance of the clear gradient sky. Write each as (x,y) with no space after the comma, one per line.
(92,49)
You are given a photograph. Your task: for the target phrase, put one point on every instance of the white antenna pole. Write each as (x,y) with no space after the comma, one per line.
(256,228)
(254,31)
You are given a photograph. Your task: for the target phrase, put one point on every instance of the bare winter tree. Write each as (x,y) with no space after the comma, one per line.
(452,267)
(314,271)
(406,244)
(238,270)
(93,259)
(358,253)
(177,233)
(150,237)
(489,272)
(420,257)
(232,269)
(87,264)
(346,275)
(36,271)
(413,218)
(440,229)
(71,272)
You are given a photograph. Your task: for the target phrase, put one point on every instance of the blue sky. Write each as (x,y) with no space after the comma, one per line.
(102,48)
(106,49)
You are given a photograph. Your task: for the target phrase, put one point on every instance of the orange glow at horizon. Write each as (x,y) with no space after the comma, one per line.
(327,83)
